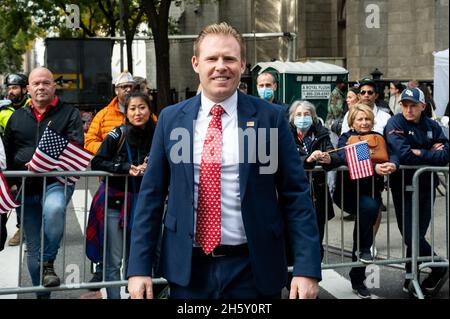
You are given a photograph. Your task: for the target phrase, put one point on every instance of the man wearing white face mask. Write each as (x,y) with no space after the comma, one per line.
(266,86)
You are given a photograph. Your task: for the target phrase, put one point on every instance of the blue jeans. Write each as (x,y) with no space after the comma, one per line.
(52,210)
(114,252)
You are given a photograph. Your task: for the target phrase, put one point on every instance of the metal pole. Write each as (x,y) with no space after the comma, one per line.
(415,232)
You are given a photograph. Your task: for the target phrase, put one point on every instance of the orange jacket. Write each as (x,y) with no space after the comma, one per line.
(104,121)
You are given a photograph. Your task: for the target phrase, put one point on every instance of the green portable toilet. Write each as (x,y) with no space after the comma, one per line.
(311,80)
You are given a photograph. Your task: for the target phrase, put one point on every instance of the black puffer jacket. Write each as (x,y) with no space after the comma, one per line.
(23,133)
(110,159)
(322,143)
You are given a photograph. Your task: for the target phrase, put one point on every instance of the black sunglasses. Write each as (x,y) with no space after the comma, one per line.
(368,92)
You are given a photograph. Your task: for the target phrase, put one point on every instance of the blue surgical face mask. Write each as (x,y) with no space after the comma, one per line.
(303,122)
(265,93)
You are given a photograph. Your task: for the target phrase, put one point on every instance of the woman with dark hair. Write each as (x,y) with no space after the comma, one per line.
(124,151)
(352,98)
(395,89)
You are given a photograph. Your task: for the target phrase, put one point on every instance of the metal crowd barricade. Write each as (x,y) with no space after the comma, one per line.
(61,256)
(433,260)
(334,241)
(395,253)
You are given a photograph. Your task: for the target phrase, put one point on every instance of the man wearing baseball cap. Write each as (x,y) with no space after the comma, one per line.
(416,140)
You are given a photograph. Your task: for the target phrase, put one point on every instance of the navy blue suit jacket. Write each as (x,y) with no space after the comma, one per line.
(270,203)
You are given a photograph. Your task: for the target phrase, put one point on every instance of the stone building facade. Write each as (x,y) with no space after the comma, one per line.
(397,37)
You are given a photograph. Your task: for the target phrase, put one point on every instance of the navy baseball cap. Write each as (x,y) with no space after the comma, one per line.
(414,94)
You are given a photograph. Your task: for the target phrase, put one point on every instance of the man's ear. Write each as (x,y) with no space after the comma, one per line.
(194,62)
(275,86)
(243,66)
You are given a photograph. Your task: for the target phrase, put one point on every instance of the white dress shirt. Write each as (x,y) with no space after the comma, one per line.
(380,118)
(232,230)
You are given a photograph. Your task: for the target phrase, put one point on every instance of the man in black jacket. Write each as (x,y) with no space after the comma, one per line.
(416,140)
(22,135)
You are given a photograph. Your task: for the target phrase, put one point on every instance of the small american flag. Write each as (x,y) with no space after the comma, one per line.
(358,160)
(54,152)
(7,202)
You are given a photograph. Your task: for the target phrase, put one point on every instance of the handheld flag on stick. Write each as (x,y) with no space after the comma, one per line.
(358,160)
(54,152)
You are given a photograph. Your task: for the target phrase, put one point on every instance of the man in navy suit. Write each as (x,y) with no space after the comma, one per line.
(228,202)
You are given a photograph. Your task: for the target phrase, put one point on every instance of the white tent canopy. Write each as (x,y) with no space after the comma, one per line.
(441,81)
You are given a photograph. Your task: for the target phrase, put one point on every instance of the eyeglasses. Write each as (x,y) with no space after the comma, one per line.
(368,92)
(125,87)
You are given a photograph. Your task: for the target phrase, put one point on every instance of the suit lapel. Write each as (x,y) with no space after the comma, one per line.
(246,120)
(187,116)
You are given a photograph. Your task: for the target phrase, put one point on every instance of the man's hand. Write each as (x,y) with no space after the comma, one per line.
(140,287)
(437,147)
(416,152)
(304,288)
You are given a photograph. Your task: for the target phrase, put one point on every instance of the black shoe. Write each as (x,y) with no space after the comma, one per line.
(50,279)
(434,281)
(98,277)
(366,257)
(362,291)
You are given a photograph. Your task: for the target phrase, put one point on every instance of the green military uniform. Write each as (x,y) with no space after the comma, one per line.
(335,106)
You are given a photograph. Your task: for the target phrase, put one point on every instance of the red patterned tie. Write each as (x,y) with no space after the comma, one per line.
(208,230)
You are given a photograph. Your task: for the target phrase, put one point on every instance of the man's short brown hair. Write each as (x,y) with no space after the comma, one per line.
(219,29)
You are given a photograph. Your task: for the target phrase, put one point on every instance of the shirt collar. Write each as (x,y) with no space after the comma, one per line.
(229,105)
(375,109)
